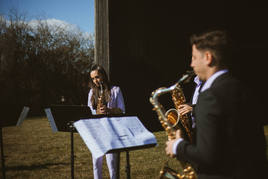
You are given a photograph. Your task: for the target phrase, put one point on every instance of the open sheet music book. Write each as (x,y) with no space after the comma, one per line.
(109,134)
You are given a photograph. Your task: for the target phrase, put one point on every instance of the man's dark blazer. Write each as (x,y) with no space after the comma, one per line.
(229,139)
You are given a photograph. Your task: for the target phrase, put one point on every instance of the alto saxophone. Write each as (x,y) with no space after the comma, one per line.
(171,120)
(101,99)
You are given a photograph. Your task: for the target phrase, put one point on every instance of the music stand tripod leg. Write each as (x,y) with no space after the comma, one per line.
(2,155)
(118,165)
(70,124)
(127,165)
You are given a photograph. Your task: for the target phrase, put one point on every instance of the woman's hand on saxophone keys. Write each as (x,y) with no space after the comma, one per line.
(103,110)
(106,110)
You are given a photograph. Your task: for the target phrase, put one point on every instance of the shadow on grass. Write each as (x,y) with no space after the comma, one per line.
(35,166)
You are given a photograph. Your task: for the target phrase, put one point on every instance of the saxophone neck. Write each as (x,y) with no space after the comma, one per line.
(101,88)
(186,77)
(101,94)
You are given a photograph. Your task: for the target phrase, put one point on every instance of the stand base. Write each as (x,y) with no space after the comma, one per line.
(2,155)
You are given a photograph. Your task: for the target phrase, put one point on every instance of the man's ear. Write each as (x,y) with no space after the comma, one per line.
(209,58)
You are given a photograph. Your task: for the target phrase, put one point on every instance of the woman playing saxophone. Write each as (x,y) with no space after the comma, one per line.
(103,98)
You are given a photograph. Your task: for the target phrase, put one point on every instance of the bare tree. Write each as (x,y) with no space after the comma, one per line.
(41,63)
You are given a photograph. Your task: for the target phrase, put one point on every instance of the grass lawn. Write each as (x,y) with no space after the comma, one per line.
(32,150)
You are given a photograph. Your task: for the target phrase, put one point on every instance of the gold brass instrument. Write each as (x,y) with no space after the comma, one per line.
(103,103)
(171,120)
(101,99)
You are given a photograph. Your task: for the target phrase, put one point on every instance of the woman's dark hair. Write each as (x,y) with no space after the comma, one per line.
(96,90)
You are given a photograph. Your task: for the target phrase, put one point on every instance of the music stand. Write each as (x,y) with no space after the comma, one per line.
(119,133)
(13,115)
(127,150)
(62,117)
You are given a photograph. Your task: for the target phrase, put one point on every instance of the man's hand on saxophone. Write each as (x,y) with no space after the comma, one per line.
(184,109)
(169,144)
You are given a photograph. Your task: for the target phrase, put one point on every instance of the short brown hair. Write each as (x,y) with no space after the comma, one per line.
(217,42)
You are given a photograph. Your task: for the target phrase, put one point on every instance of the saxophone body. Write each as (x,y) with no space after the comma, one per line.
(101,100)
(171,121)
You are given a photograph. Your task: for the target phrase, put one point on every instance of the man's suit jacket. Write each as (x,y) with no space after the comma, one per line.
(229,139)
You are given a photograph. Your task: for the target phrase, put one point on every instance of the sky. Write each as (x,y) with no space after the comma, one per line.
(74,12)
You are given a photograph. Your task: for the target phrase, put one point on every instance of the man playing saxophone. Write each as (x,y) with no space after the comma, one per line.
(229,141)
(103,98)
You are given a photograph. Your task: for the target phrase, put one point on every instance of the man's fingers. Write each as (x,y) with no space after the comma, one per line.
(178,133)
(168,148)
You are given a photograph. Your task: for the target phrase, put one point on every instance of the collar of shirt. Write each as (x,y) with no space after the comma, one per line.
(209,82)
(197,81)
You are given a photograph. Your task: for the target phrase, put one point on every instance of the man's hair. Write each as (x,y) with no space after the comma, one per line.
(217,42)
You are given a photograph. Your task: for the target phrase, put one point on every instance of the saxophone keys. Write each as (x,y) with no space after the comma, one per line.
(189,167)
(183,176)
(161,172)
(192,173)
(191,177)
(186,170)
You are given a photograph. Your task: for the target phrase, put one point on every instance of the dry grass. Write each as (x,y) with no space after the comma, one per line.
(32,150)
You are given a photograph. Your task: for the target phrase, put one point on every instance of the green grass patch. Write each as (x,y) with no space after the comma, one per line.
(32,150)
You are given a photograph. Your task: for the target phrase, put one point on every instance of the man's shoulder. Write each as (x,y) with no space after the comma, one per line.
(226,78)
(226,83)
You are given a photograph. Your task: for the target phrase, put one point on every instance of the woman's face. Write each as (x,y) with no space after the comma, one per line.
(96,77)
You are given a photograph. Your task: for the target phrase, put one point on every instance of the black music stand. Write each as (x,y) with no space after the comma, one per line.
(62,117)
(89,134)
(127,150)
(13,115)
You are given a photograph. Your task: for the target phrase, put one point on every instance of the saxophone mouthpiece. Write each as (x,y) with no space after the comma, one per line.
(186,77)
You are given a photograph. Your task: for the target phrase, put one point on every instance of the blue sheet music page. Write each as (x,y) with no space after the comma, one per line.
(104,134)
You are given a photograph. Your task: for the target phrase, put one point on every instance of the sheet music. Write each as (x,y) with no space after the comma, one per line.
(23,115)
(104,134)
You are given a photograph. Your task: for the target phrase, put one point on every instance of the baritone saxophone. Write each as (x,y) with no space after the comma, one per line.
(171,120)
